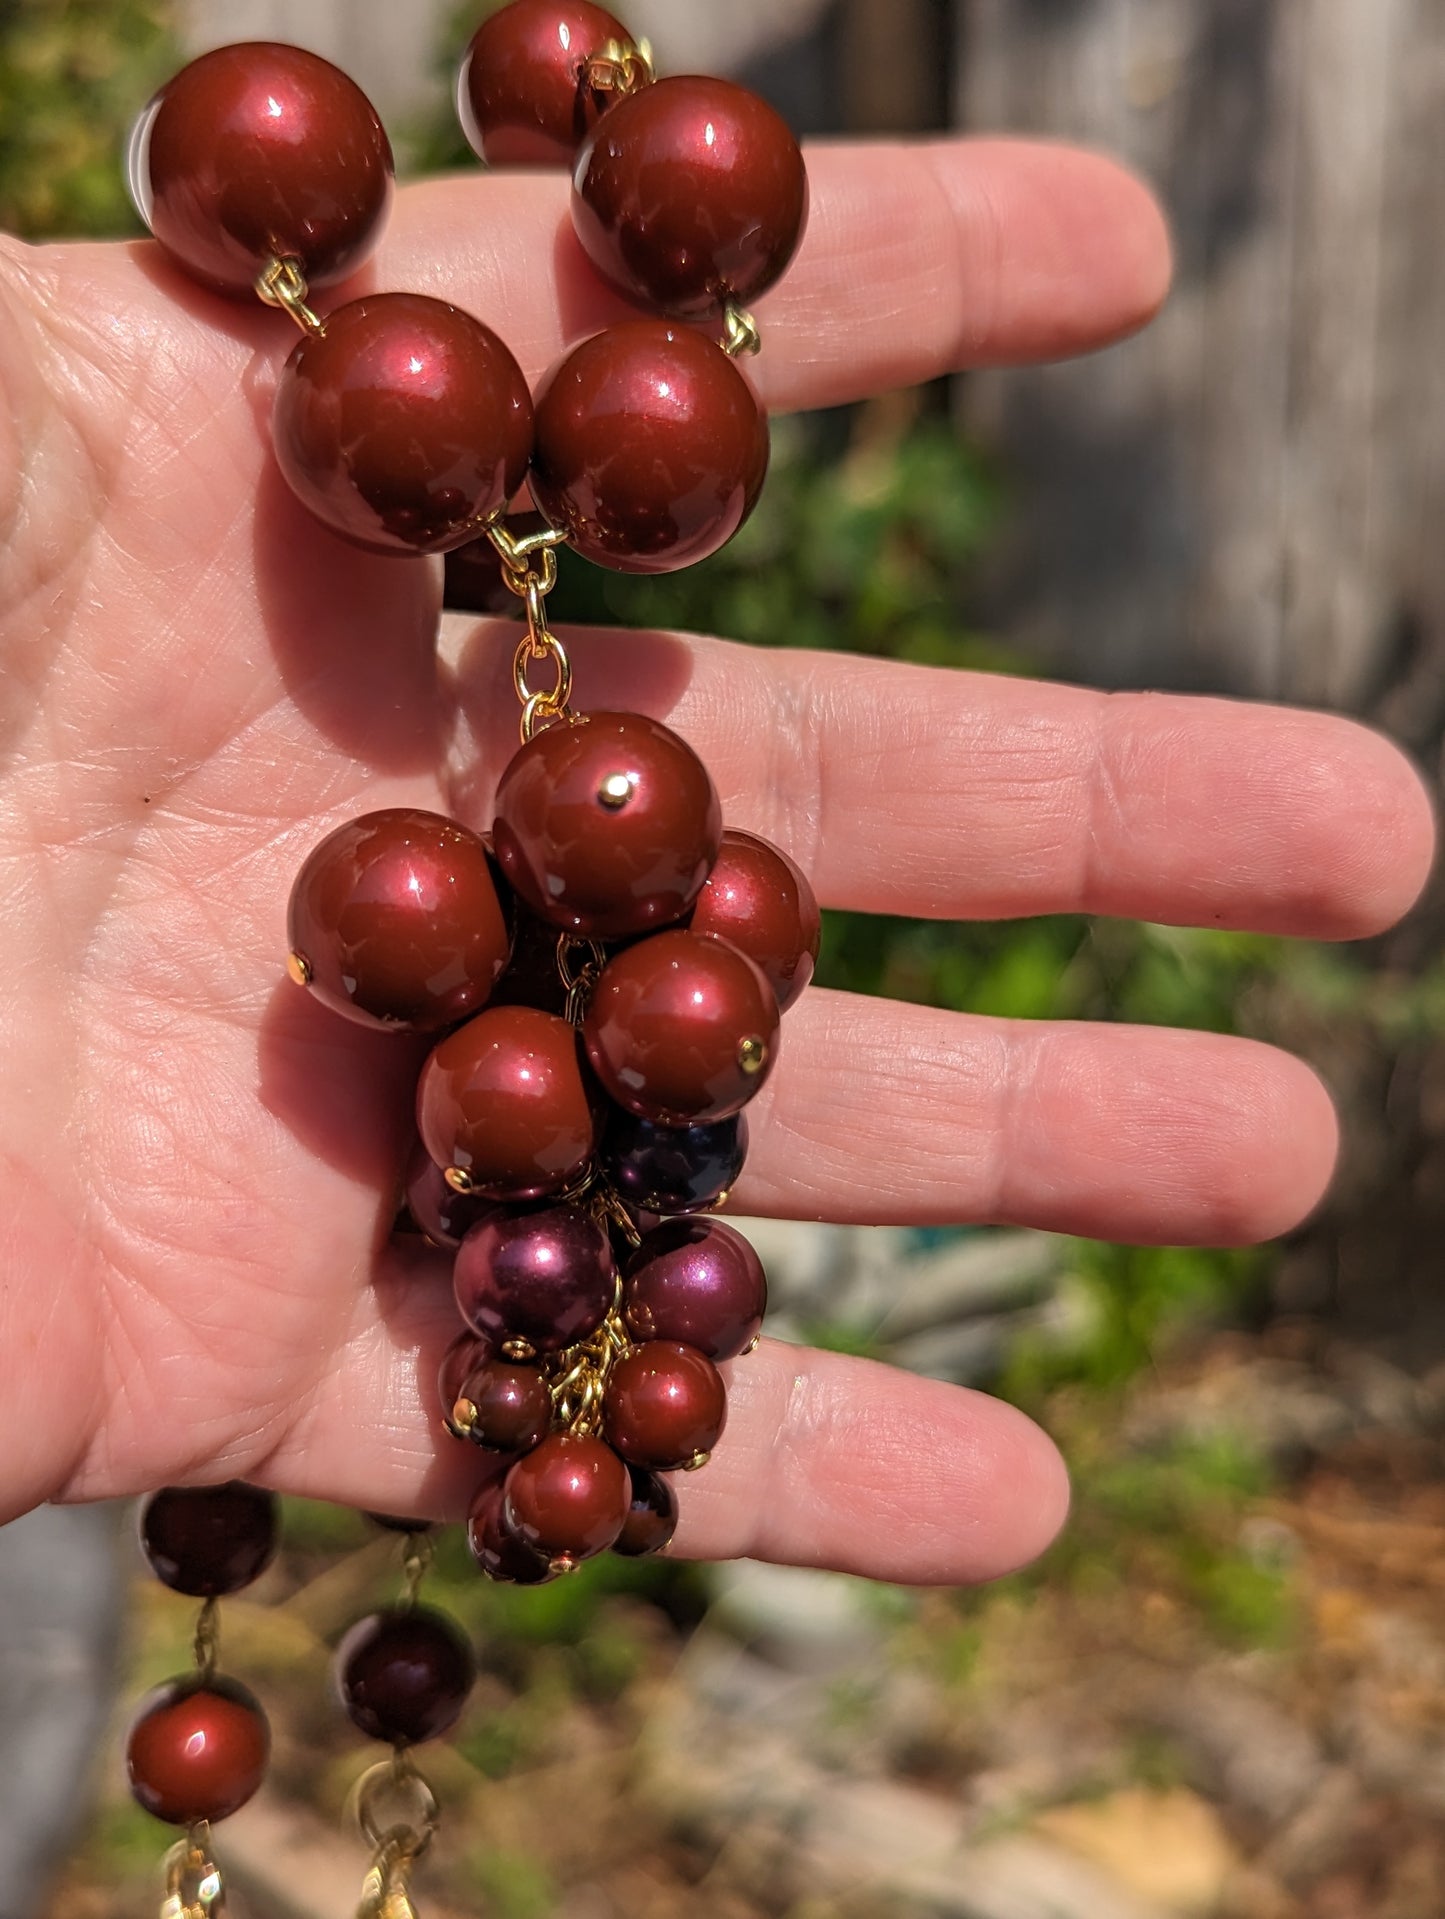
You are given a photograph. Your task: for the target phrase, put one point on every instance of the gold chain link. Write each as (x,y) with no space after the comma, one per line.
(281,283)
(740,332)
(194,1888)
(206,1646)
(398,1814)
(622,67)
(529,567)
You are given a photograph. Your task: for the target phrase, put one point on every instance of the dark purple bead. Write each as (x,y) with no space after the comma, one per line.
(651,1518)
(511,1406)
(404,1675)
(546,1276)
(445,1216)
(673,1169)
(209,1540)
(698,1281)
(496,1549)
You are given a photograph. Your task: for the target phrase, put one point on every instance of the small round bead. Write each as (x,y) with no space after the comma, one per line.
(651,447)
(403,425)
(651,1518)
(521,94)
(258,152)
(404,1675)
(497,1550)
(394,921)
(690,193)
(672,1169)
(759,901)
(665,1405)
(681,1029)
(547,1277)
(461,1358)
(209,1540)
(699,1281)
(512,1408)
(569,1499)
(607,827)
(438,1210)
(197,1749)
(503,1100)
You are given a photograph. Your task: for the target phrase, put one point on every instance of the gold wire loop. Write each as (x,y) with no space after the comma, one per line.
(281,283)
(540,705)
(206,1646)
(396,1807)
(194,1886)
(740,332)
(416,1563)
(385,1891)
(623,67)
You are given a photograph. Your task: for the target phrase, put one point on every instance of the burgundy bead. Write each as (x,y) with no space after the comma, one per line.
(651,447)
(438,1210)
(672,1169)
(503,1099)
(547,1277)
(461,1358)
(651,1518)
(681,1029)
(404,1675)
(197,1749)
(496,1549)
(665,1405)
(759,901)
(395,921)
(404,425)
(522,95)
(511,1406)
(257,152)
(608,826)
(209,1540)
(569,1499)
(690,193)
(698,1281)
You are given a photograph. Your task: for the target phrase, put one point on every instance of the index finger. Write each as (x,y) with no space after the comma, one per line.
(919,259)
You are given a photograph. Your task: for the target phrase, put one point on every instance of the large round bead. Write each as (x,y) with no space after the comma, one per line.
(651,1518)
(496,1549)
(404,425)
(698,1281)
(672,1169)
(690,193)
(503,1101)
(508,1406)
(395,921)
(681,1029)
(607,827)
(522,95)
(547,1277)
(759,901)
(257,152)
(666,1404)
(569,1499)
(209,1540)
(651,447)
(197,1750)
(404,1675)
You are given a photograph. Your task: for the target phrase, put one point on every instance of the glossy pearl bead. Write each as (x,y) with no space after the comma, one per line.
(569,1499)
(522,96)
(209,1540)
(503,1100)
(547,1277)
(438,1210)
(690,193)
(651,447)
(607,827)
(262,151)
(672,1169)
(404,425)
(405,1675)
(698,1281)
(681,1029)
(666,1404)
(197,1750)
(461,1358)
(497,1550)
(651,1518)
(759,901)
(394,921)
(511,1406)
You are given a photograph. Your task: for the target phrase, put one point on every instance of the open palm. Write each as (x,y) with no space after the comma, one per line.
(198,1165)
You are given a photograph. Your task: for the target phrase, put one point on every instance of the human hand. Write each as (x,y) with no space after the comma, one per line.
(198,1164)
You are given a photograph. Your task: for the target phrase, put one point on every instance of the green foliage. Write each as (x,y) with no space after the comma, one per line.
(514,1885)
(73,75)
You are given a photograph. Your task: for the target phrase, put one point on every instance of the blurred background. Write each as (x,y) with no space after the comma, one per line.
(1224,1692)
